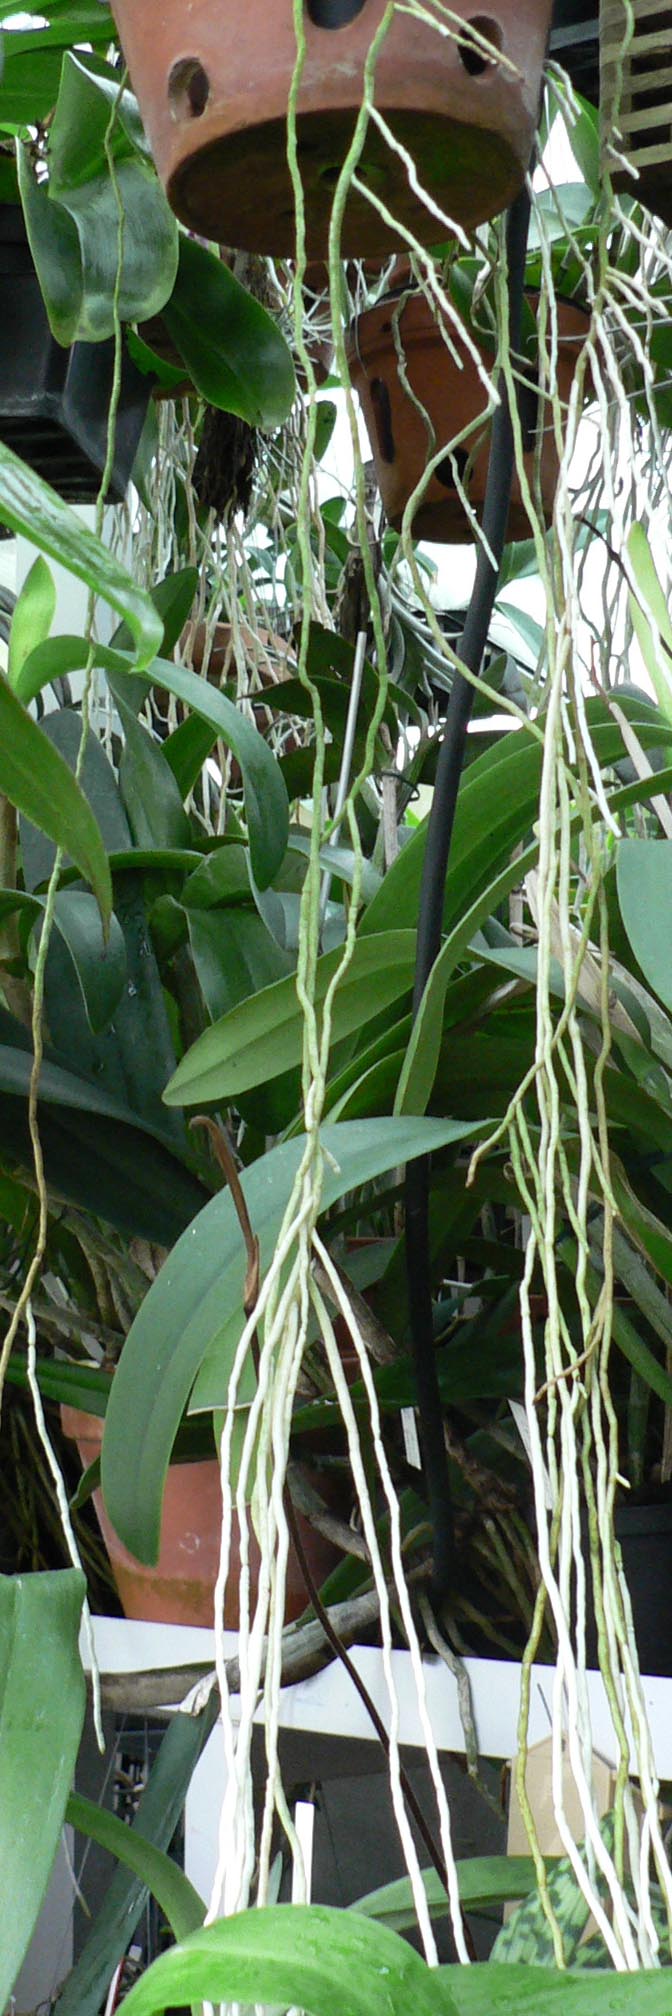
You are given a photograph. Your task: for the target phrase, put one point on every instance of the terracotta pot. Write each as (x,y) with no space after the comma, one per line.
(213,88)
(180,1589)
(453,398)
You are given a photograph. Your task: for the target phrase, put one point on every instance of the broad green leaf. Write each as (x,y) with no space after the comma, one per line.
(263,1037)
(174,1894)
(584,139)
(100,965)
(173,600)
(522,1990)
(99,1152)
(33,616)
(483,1880)
(324,1960)
(266,804)
(195,1308)
(527,1933)
(36,779)
(221,877)
(80,183)
(650,603)
(644,879)
(150,794)
(186,750)
(29,85)
(330,1962)
(649,1233)
(30,506)
(42,1703)
(234,956)
(155,1821)
(234,351)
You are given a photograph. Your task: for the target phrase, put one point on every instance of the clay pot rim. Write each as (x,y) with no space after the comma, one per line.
(421,328)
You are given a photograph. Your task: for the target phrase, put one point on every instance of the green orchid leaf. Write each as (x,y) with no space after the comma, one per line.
(54,243)
(484,1880)
(194,1309)
(233,350)
(644,880)
(327,1961)
(155,1822)
(324,1960)
(42,1703)
(651,618)
(262,1038)
(81,184)
(174,1894)
(32,618)
(266,802)
(29,505)
(29,85)
(37,781)
(99,964)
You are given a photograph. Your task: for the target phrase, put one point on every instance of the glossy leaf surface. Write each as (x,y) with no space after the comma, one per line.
(325,1960)
(234,351)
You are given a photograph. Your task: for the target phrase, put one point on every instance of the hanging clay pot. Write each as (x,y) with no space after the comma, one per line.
(180,1588)
(213,84)
(453,398)
(54,403)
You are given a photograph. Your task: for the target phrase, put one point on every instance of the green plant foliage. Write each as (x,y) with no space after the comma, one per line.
(37,781)
(266,803)
(193,1310)
(263,1038)
(74,226)
(484,1881)
(155,1821)
(99,963)
(644,873)
(328,1961)
(651,619)
(42,1702)
(28,505)
(174,1894)
(234,352)
(33,617)
(98,1154)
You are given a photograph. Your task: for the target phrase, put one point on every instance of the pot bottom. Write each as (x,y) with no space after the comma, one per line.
(242,176)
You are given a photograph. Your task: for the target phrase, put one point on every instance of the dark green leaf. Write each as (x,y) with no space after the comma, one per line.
(174,1894)
(157,1815)
(263,1037)
(233,351)
(644,877)
(483,1880)
(35,779)
(42,1702)
(234,956)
